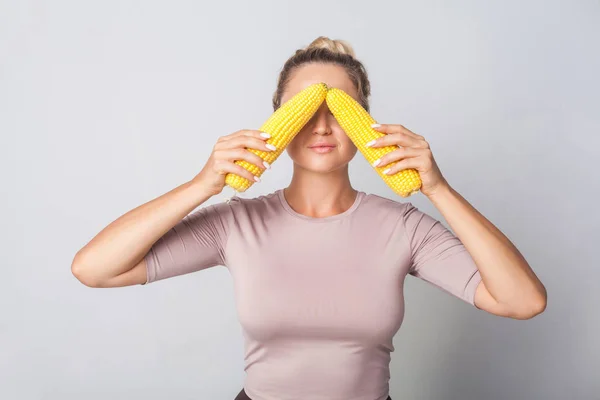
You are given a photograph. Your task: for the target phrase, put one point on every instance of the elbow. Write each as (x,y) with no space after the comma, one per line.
(531,310)
(82,273)
(532,307)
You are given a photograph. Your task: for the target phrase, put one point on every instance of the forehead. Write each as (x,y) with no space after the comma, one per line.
(306,75)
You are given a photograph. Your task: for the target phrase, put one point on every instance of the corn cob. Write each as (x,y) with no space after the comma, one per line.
(356,122)
(282,125)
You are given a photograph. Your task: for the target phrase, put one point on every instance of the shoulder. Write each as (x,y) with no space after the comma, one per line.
(250,202)
(373,202)
(382,209)
(237,205)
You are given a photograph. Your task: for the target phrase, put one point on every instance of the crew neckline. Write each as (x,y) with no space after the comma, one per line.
(290,210)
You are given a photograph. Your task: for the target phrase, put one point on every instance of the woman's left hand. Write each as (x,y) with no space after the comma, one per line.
(413,153)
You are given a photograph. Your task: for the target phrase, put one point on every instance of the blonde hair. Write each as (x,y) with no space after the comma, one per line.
(326,51)
(336,46)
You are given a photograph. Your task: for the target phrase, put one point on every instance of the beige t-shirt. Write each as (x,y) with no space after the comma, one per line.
(319,299)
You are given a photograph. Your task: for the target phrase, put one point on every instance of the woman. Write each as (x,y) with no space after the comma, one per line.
(318,267)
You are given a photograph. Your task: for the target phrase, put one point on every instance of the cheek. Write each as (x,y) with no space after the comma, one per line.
(353,151)
(295,141)
(346,141)
(348,148)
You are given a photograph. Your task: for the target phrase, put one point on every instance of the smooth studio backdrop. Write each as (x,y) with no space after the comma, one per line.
(107,105)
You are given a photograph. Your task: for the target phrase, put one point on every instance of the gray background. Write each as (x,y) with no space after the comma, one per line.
(107,105)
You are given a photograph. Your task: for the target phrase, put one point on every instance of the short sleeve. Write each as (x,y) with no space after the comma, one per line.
(197,242)
(439,257)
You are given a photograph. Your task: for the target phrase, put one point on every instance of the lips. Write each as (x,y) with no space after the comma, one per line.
(321,145)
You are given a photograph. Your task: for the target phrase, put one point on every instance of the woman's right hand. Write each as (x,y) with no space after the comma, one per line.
(226,151)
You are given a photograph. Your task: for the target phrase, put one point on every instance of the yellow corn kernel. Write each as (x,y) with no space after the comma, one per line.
(282,125)
(356,122)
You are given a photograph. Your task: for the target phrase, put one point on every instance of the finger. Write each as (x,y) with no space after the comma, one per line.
(397,138)
(407,163)
(393,128)
(247,132)
(246,141)
(224,167)
(243,154)
(397,155)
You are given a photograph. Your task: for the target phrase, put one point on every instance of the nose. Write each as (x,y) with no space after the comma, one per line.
(321,121)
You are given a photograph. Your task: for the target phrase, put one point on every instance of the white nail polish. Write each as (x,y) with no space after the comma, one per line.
(265,135)
(266,164)
(371,143)
(256,178)
(376,162)
(270,146)
(376,126)
(386,171)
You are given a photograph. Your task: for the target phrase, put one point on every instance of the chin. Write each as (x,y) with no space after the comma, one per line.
(322,167)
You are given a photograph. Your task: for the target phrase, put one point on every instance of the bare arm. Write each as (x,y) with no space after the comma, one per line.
(115,256)
(510,288)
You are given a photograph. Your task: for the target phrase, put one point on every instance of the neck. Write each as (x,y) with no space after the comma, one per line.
(318,194)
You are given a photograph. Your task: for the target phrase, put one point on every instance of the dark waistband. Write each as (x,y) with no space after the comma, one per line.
(243,396)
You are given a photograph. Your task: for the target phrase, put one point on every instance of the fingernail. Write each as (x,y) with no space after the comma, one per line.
(371,143)
(266,164)
(265,135)
(256,178)
(376,126)
(270,146)
(376,162)
(386,171)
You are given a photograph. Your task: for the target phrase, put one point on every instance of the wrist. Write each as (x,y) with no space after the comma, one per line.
(442,191)
(199,190)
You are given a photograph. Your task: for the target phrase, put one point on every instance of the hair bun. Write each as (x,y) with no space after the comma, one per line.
(334,45)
